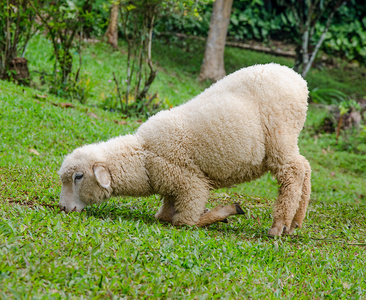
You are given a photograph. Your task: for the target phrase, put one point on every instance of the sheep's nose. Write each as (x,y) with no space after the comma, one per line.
(62,207)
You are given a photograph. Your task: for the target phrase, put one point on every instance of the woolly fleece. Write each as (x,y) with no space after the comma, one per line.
(241,127)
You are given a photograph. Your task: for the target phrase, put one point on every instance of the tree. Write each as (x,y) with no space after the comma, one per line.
(136,23)
(17,26)
(112,30)
(308,14)
(137,19)
(62,20)
(213,61)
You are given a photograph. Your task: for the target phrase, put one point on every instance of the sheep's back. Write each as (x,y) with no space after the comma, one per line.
(226,130)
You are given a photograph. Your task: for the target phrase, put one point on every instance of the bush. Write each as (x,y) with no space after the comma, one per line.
(265,20)
(349,33)
(17,26)
(327,96)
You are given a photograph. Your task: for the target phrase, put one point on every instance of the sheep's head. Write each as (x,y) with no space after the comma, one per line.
(84,181)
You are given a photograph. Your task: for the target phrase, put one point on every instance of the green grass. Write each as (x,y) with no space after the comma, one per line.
(118,250)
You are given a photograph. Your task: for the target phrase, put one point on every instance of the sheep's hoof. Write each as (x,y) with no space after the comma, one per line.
(290,231)
(239,210)
(275,231)
(294,225)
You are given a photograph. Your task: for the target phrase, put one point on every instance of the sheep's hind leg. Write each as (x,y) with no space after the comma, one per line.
(291,178)
(219,214)
(167,210)
(305,198)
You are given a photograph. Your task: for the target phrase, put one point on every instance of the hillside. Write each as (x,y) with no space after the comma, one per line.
(119,250)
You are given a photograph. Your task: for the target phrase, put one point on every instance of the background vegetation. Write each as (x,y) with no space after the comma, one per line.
(118,250)
(271,20)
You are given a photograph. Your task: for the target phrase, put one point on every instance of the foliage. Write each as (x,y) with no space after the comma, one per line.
(353,140)
(266,20)
(63,19)
(348,105)
(307,15)
(327,96)
(17,26)
(95,14)
(350,41)
(350,28)
(250,19)
(77,88)
(331,126)
(258,20)
(137,22)
(191,19)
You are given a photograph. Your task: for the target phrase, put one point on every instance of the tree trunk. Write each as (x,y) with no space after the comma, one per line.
(213,61)
(308,63)
(112,30)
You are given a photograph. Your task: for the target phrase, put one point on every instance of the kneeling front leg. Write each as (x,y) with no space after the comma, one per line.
(167,210)
(194,213)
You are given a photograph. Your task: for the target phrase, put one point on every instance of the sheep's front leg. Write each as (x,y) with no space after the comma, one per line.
(167,210)
(305,198)
(219,214)
(291,179)
(189,211)
(190,208)
(190,203)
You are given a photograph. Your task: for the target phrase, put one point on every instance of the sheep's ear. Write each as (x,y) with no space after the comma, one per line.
(102,175)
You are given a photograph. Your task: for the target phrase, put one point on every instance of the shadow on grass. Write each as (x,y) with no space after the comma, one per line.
(116,212)
(134,213)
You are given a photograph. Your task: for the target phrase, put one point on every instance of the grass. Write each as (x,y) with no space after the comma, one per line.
(118,250)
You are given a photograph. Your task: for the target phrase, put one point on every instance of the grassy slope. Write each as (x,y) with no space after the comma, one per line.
(118,249)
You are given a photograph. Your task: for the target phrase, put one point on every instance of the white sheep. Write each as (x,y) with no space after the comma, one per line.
(235,131)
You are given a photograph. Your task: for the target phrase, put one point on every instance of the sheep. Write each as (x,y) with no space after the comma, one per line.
(241,127)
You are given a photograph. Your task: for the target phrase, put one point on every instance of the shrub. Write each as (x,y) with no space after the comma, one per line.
(17,26)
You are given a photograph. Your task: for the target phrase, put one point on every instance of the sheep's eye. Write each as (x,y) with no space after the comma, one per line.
(78,176)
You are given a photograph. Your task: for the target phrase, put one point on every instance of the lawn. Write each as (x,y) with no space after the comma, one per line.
(118,250)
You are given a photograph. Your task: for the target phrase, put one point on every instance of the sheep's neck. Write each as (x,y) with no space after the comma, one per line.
(129,175)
